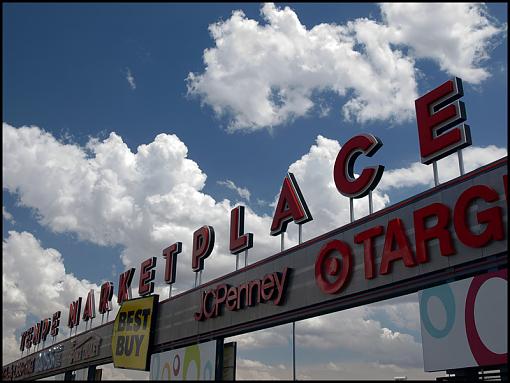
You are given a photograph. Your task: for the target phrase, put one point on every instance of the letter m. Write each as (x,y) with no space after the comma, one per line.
(74,313)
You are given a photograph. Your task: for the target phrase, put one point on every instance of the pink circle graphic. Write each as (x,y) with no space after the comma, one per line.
(481,353)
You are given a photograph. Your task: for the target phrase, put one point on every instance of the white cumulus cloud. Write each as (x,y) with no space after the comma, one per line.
(243,192)
(35,282)
(7,216)
(130,79)
(458,36)
(262,75)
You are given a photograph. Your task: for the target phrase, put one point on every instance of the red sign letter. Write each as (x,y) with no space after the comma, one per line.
(105,298)
(89,311)
(439,231)
(125,285)
(437,112)
(170,253)
(491,217)
(55,323)
(366,237)
(45,329)
(147,275)
(203,244)
(396,234)
(343,172)
(74,313)
(238,240)
(291,206)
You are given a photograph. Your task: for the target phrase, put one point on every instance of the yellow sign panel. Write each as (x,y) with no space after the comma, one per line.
(132,333)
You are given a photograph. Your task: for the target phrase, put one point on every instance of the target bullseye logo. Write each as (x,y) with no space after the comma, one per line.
(330,274)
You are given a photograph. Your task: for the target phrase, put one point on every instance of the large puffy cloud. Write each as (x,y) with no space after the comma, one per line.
(264,75)
(34,284)
(457,36)
(250,369)
(418,174)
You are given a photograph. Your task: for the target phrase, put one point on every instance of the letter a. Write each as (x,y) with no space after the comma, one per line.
(291,206)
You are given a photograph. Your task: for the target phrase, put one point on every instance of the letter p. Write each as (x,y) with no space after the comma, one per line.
(203,244)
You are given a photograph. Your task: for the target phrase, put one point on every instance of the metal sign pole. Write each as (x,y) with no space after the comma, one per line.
(300,239)
(461,162)
(436,177)
(282,242)
(196,278)
(200,278)
(246,258)
(351,208)
(237,261)
(170,290)
(370,203)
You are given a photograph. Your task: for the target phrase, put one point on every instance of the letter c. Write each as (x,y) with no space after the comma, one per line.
(343,171)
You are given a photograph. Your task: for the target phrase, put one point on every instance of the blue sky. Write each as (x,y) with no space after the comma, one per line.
(82,71)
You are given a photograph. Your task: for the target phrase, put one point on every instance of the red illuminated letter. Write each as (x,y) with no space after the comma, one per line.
(147,275)
(170,254)
(105,298)
(37,333)
(291,206)
(366,237)
(28,339)
(125,285)
(74,313)
(203,244)
(437,114)
(45,329)
(439,231)
(55,323)
(396,235)
(238,240)
(89,311)
(23,340)
(343,172)
(491,217)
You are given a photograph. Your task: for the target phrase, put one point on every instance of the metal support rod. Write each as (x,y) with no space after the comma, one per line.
(294,350)
(436,177)
(102,318)
(200,278)
(283,240)
(237,261)
(170,290)
(300,238)
(196,278)
(351,208)
(246,258)
(370,203)
(461,162)
(107,315)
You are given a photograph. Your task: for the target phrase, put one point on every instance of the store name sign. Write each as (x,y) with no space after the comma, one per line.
(270,288)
